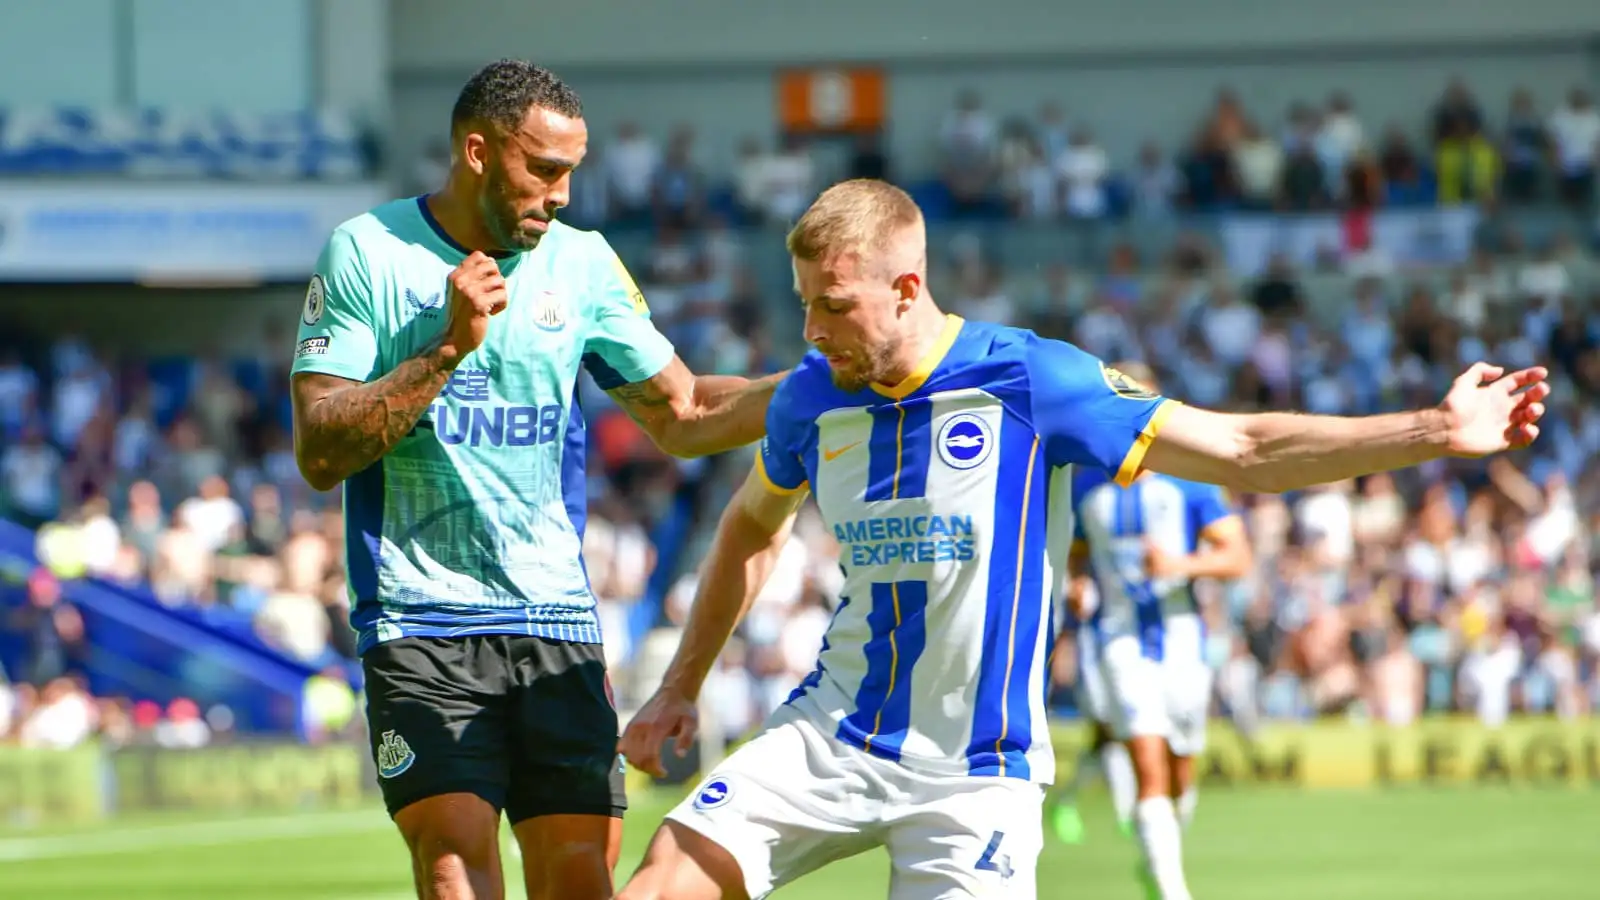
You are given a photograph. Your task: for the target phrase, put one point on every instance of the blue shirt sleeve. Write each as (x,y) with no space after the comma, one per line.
(1088,413)
(1206,504)
(779,460)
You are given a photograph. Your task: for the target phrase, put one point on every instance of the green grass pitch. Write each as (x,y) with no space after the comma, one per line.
(1260,844)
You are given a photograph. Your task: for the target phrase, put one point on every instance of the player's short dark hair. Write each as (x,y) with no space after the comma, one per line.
(501,93)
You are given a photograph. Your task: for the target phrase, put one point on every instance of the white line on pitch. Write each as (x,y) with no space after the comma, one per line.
(197,834)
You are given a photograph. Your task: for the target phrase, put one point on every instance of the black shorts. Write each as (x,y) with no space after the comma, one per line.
(525,723)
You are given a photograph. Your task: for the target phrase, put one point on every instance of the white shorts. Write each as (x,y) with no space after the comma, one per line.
(1167,698)
(795,798)
(1091,688)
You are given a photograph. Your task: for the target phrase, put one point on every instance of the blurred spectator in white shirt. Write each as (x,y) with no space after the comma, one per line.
(1487,672)
(1325,521)
(1230,326)
(100,535)
(293,622)
(1083,168)
(967,140)
(63,719)
(1575,133)
(77,397)
(1258,163)
(212,514)
(1026,179)
(789,182)
(180,572)
(750,179)
(631,162)
(1340,137)
(1544,278)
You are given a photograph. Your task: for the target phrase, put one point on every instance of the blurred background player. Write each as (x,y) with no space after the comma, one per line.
(1144,544)
(439,350)
(941,452)
(1102,755)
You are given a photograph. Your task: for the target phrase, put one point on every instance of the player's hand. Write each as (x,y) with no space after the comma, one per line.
(1158,563)
(477,291)
(667,714)
(1486,413)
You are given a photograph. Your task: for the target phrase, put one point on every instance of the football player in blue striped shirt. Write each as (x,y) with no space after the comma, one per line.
(941,454)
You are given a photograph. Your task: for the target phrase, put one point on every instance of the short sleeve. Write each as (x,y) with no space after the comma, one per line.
(779,462)
(1207,504)
(1088,413)
(336,334)
(623,345)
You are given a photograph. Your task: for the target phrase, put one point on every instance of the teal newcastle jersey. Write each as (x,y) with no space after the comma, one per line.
(473,523)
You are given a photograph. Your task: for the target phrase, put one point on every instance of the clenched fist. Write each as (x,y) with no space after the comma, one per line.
(477,291)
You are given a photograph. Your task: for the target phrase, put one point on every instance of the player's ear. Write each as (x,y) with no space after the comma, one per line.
(908,286)
(475,151)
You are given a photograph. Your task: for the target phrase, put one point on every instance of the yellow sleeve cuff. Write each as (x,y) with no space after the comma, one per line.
(1129,470)
(774,487)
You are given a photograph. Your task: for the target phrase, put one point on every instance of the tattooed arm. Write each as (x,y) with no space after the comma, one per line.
(343,426)
(693,415)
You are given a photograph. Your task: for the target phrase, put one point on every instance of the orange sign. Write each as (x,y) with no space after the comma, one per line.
(830,100)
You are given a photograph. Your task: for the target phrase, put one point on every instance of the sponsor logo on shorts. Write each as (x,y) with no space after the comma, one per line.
(713,794)
(316,346)
(394,755)
(965,441)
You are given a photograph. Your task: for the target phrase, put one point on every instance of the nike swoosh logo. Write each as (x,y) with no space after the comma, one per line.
(831,455)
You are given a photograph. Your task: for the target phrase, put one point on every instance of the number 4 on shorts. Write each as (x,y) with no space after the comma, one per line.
(993,860)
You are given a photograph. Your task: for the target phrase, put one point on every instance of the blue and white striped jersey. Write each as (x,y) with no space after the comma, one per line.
(949,495)
(1114,521)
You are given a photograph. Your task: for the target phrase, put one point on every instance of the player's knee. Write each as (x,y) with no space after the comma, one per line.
(569,872)
(682,864)
(1149,757)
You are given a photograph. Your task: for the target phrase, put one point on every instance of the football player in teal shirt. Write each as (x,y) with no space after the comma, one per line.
(438,352)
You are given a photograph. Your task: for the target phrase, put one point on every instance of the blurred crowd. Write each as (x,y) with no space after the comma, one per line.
(1455,586)
(1049,167)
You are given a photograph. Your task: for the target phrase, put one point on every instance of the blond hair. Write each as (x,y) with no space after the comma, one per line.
(865,218)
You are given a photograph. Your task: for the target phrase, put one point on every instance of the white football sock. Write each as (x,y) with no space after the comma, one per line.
(1186,804)
(1162,841)
(1119,775)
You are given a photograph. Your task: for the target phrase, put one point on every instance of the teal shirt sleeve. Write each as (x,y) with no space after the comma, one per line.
(623,345)
(336,323)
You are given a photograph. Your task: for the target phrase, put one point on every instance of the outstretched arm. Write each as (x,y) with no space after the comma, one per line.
(693,415)
(1484,413)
